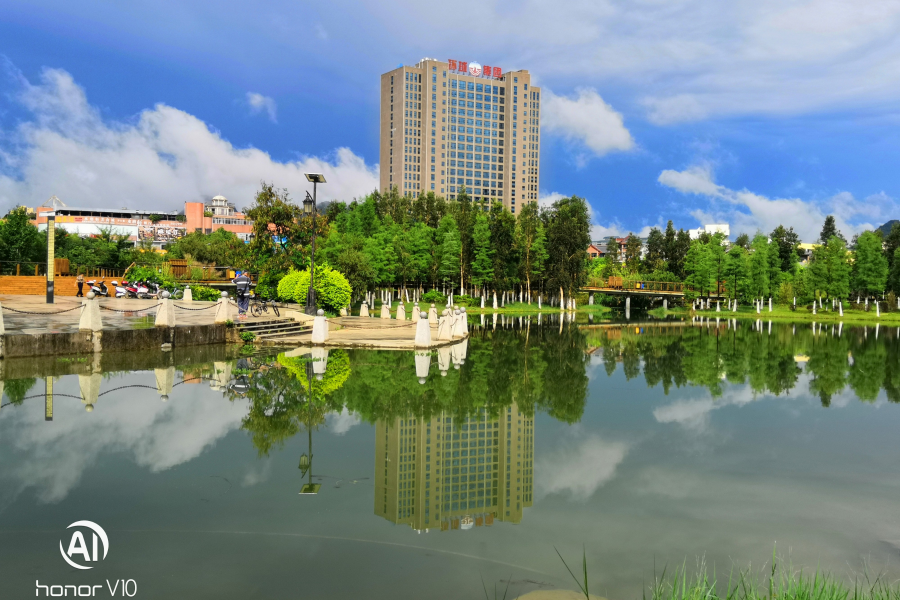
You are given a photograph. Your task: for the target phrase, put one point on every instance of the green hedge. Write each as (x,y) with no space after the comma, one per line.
(434,297)
(205,294)
(333,291)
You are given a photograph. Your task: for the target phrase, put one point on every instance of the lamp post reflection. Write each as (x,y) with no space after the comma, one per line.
(305,465)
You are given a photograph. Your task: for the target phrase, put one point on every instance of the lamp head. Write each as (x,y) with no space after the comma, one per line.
(315,177)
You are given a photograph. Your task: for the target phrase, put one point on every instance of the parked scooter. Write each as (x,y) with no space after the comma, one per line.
(121,292)
(99,289)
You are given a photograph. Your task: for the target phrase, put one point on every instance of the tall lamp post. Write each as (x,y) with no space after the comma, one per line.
(309,208)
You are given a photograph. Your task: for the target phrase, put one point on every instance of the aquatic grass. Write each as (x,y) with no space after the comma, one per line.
(583,583)
(778,582)
(506,591)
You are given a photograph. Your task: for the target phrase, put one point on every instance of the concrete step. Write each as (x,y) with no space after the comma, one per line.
(298,330)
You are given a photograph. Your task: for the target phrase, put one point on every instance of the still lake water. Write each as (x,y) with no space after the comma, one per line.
(643,444)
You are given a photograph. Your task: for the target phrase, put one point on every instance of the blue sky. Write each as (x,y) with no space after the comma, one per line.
(756,112)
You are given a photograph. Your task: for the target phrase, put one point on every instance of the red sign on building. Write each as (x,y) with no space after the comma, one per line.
(474,69)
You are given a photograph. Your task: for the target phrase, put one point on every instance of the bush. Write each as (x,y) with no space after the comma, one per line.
(434,297)
(205,294)
(145,273)
(333,291)
(466,300)
(248,336)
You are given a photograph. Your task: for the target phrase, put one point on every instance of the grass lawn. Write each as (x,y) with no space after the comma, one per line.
(784,313)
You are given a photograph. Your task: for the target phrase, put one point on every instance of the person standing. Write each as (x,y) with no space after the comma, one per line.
(80,281)
(242,282)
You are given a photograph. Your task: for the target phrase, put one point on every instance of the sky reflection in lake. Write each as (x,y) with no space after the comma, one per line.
(654,442)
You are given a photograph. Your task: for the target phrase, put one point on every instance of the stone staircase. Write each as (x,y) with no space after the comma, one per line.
(273,329)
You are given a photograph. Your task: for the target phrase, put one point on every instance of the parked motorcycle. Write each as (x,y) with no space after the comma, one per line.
(121,292)
(99,289)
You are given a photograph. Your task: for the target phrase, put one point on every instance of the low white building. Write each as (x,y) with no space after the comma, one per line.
(711,228)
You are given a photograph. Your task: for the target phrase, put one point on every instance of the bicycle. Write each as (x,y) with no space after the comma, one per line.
(259,306)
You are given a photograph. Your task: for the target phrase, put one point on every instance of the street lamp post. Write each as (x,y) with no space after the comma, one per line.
(309,208)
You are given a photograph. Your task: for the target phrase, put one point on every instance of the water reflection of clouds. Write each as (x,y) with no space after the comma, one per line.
(578,468)
(340,423)
(53,456)
(694,414)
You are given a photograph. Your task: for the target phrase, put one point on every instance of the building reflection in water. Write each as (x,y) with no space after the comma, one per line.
(452,473)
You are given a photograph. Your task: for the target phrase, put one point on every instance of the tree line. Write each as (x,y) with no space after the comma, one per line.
(389,240)
(763,266)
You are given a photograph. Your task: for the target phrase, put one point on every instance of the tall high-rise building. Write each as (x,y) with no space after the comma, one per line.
(446,473)
(451,124)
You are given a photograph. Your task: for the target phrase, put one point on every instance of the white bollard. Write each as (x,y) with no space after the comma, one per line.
(223,312)
(423,332)
(385,311)
(464,321)
(320,328)
(456,326)
(415,312)
(90,314)
(444,324)
(188,294)
(165,312)
(364,310)
(432,315)
(401,312)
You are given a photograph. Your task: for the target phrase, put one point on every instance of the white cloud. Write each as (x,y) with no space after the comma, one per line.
(160,159)
(259,103)
(340,423)
(587,120)
(578,469)
(747,212)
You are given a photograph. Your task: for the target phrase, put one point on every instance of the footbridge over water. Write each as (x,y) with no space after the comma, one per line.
(673,289)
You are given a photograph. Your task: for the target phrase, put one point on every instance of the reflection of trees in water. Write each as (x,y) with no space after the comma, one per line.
(767,362)
(17,389)
(536,368)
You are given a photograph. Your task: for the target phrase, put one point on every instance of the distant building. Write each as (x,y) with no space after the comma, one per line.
(711,229)
(805,252)
(159,226)
(218,212)
(594,251)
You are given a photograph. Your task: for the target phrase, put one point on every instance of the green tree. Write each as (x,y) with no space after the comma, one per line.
(699,269)
(532,243)
(503,246)
(830,230)
(482,267)
(633,249)
(743,240)
(450,248)
(870,267)
(735,272)
(20,241)
(787,241)
(656,249)
(894,278)
(758,276)
(830,269)
(568,236)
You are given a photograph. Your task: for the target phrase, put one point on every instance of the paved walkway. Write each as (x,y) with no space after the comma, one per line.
(370,332)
